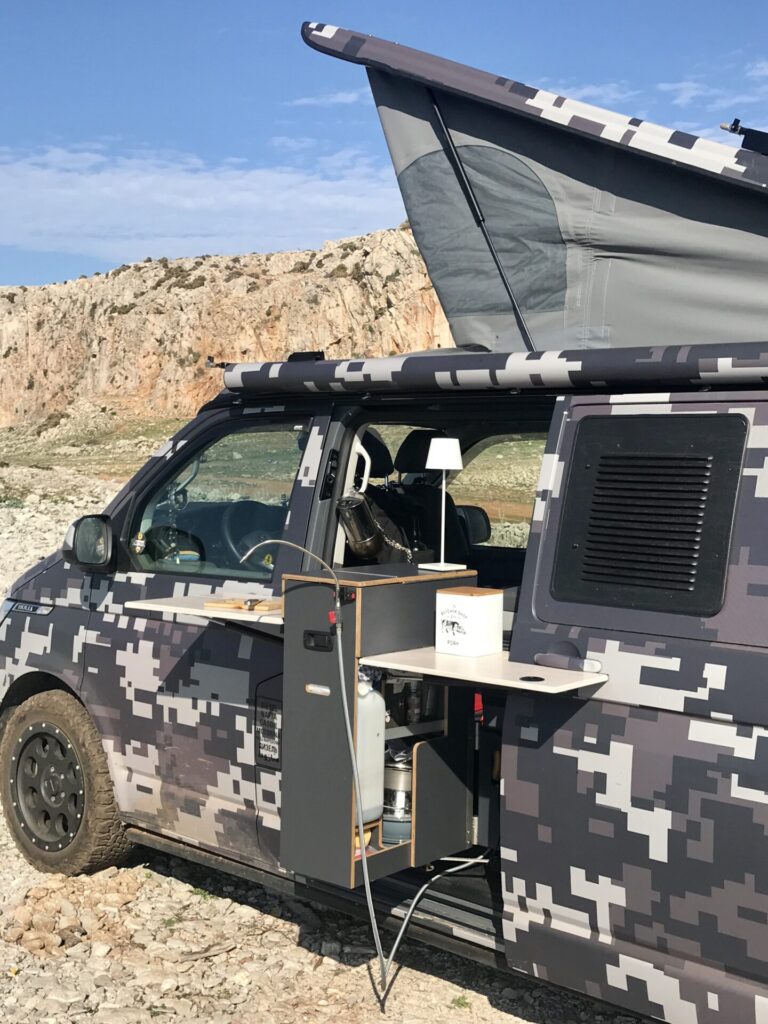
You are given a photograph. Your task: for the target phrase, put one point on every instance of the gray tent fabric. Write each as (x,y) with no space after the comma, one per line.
(610,232)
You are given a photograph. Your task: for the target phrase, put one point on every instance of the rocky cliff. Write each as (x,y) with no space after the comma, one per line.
(135,340)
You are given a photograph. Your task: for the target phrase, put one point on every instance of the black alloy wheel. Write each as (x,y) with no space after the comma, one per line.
(56,786)
(47,786)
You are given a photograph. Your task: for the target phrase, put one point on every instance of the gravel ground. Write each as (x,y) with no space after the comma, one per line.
(165,940)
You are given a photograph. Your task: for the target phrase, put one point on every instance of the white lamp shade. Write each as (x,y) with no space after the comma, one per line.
(444,453)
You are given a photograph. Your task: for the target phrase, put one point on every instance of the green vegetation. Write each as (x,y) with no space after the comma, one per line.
(203,894)
(460,1003)
(195,282)
(177,276)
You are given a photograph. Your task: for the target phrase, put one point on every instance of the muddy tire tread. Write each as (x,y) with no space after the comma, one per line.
(105,843)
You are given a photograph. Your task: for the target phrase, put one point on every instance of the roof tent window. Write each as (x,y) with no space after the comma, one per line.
(648,512)
(525,232)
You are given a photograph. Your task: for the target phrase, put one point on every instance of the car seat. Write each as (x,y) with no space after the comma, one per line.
(421,509)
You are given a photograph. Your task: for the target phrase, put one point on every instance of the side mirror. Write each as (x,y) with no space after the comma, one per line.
(477,525)
(89,543)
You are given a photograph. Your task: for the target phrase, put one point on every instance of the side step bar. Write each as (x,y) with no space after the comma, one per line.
(351,903)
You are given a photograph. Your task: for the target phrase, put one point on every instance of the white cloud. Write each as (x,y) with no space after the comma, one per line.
(292,143)
(758,70)
(127,206)
(731,100)
(332,99)
(602,94)
(685,92)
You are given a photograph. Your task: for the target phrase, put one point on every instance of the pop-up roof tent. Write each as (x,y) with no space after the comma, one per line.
(546,223)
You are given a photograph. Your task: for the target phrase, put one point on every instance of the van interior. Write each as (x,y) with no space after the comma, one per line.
(488,509)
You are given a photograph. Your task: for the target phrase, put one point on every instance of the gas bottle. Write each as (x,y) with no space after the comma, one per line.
(369,747)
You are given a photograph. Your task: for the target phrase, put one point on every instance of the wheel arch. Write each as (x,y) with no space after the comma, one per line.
(107,843)
(28,685)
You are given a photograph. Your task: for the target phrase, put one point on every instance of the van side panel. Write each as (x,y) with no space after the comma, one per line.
(177,708)
(635,816)
(47,631)
(637,870)
(190,710)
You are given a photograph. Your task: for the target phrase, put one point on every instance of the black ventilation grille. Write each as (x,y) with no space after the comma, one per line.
(646,520)
(648,512)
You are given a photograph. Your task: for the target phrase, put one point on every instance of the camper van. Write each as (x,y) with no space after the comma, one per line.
(472,638)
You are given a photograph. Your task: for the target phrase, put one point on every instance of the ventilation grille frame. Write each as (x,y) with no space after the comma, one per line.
(648,512)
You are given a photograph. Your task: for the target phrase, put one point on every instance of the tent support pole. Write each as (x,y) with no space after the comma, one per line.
(464,183)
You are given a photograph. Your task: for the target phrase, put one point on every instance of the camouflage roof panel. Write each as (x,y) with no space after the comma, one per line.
(447,370)
(704,155)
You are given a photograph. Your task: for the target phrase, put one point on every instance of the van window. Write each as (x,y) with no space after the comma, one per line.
(500,475)
(648,512)
(220,503)
(489,505)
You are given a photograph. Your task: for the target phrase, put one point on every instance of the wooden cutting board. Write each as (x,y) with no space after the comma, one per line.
(246,603)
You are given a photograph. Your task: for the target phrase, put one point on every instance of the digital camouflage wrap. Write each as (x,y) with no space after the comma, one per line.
(634,819)
(448,370)
(633,815)
(575,115)
(190,712)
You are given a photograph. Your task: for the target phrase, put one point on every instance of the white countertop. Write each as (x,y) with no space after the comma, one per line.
(492,670)
(196,606)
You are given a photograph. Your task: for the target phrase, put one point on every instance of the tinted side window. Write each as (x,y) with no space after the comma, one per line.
(220,503)
(648,512)
(500,476)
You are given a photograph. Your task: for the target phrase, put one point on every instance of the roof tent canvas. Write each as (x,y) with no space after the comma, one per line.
(546,223)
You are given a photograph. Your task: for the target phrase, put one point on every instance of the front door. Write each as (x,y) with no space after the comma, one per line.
(191,711)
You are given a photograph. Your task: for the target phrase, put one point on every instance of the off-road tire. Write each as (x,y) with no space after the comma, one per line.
(99,839)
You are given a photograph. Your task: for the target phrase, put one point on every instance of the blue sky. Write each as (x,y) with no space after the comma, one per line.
(183,127)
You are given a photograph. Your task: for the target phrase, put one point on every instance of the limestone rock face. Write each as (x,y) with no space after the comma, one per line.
(135,339)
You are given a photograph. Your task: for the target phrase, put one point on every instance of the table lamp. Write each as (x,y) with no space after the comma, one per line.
(444,454)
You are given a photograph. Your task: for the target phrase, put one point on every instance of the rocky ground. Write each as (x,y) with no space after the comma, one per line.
(162,939)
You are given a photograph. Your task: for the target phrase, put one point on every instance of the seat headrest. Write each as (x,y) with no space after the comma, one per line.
(412,454)
(381,460)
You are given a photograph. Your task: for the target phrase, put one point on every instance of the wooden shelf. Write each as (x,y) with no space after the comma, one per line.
(381,575)
(196,606)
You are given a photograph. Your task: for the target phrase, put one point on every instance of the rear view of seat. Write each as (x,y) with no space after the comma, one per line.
(420,512)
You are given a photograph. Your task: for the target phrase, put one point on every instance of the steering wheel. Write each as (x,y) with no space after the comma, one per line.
(167,544)
(240,544)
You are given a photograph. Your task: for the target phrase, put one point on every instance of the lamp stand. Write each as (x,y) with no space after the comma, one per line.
(442,565)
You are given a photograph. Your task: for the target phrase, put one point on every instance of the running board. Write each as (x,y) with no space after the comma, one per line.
(352,903)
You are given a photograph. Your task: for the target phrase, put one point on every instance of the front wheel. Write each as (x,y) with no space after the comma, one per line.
(56,789)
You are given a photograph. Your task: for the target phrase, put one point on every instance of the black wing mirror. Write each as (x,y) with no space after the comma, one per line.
(89,543)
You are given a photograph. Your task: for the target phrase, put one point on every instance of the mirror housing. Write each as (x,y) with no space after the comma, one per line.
(476,523)
(89,543)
